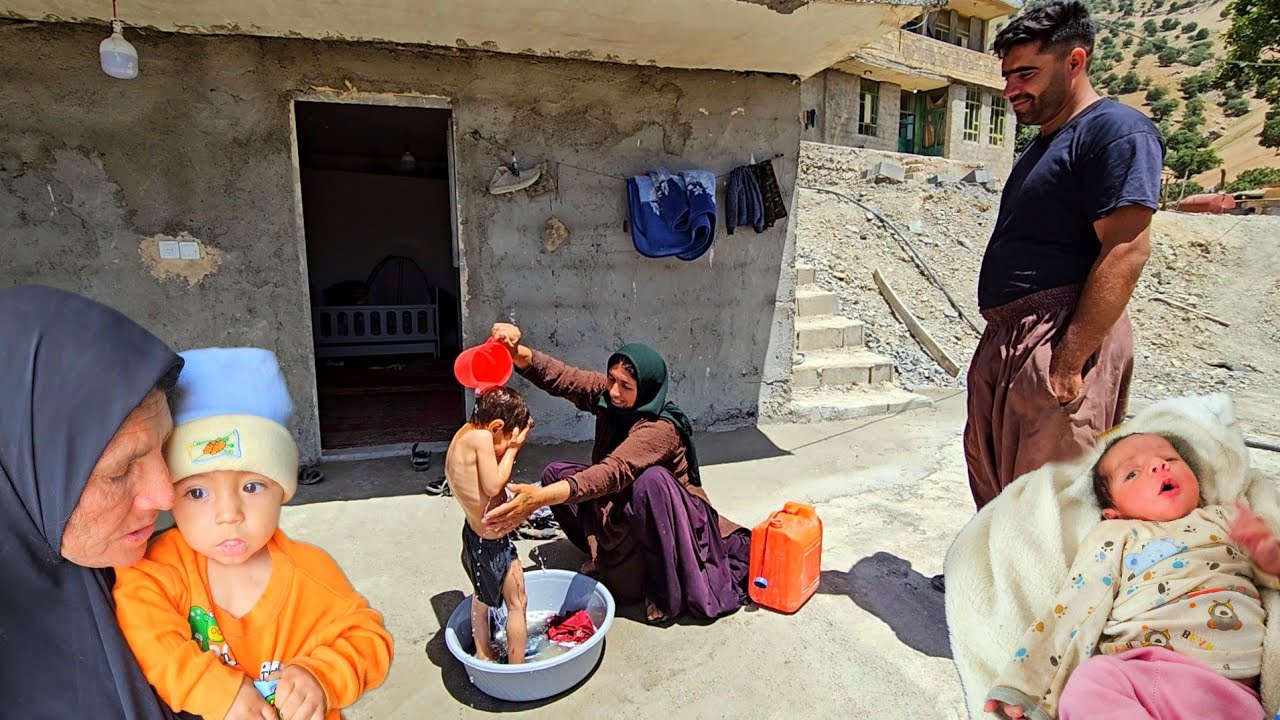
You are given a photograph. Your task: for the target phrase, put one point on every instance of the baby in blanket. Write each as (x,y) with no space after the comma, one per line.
(1162,592)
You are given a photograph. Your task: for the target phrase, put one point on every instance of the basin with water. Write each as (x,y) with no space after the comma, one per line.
(558,591)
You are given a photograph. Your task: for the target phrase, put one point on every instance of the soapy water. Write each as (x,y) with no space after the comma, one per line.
(538,647)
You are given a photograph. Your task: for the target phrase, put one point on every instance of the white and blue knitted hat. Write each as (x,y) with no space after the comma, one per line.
(231,410)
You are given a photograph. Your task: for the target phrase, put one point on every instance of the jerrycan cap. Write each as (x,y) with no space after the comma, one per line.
(775,523)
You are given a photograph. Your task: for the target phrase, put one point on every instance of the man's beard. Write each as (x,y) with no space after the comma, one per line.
(1047,104)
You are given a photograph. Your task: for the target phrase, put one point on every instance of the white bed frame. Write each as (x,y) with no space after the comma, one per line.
(355,330)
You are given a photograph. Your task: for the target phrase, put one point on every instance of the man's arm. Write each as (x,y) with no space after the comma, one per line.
(1125,235)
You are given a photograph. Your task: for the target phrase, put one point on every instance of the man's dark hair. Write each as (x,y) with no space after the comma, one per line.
(1058,24)
(501,403)
(1102,484)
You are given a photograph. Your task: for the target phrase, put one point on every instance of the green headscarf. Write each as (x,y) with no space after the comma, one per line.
(651,403)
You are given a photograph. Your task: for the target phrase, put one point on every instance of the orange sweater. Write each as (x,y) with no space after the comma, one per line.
(196,655)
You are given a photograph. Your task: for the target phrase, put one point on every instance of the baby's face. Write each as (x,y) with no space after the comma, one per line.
(228,515)
(1148,480)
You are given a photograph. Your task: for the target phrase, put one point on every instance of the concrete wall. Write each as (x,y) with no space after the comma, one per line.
(201,143)
(997,158)
(813,96)
(836,95)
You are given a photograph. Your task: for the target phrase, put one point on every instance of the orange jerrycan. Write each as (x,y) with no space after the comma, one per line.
(786,558)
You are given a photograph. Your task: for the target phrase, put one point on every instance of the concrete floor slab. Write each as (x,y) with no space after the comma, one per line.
(891,492)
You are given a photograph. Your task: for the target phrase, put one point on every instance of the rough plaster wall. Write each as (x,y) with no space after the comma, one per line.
(890,113)
(842,109)
(813,93)
(998,159)
(200,143)
(842,121)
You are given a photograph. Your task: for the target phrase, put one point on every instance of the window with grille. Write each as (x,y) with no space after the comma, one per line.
(997,121)
(972,114)
(868,106)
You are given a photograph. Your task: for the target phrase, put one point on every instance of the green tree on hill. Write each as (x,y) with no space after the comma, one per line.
(1190,27)
(1159,92)
(1130,83)
(1193,85)
(1254,178)
(1169,24)
(1164,108)
(1197,56)
(1169,56)
(1150,27)
(1201,34)
(1236,107)
(1253,35)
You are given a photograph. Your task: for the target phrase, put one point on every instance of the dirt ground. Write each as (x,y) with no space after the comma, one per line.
(1225,266)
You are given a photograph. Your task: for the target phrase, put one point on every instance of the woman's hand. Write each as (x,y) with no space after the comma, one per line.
(525,499)
(249,705)
(1013,711)
(509,335)
(1256,539)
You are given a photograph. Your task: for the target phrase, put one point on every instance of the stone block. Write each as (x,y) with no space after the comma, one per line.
(978,176)
(885,171)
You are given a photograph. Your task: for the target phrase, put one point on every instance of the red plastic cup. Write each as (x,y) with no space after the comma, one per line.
(483,366)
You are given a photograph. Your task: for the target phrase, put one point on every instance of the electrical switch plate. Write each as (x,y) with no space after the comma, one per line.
(189,250)
(169,250)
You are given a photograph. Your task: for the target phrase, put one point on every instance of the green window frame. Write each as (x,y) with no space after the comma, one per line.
(998,107)
(868,106)
(972,114)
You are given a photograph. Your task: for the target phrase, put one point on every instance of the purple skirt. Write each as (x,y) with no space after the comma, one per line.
(655,541)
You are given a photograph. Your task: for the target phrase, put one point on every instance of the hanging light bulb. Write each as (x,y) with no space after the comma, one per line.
(408,163)
(119,58)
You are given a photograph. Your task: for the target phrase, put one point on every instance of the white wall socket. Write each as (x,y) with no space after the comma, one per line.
(189,250)
(169,250)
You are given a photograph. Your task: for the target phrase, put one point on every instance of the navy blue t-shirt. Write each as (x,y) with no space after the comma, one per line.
(1108,156)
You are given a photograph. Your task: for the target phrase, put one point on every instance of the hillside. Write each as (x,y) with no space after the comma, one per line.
(1126,42)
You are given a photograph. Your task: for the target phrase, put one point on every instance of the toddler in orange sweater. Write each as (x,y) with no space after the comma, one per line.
(229,618)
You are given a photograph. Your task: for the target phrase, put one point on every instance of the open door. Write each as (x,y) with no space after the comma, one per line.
(380,232)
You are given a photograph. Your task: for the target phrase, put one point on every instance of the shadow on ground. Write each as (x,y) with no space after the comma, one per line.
(394,476)
(454,675)
(886,586)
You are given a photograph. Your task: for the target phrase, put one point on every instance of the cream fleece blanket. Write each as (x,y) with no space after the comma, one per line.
(1008,563)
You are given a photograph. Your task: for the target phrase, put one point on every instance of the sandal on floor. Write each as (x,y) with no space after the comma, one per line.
(661,621)
(419,459)
(310,476)
(438,487)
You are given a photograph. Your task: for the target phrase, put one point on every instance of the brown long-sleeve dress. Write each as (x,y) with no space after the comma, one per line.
(637,512)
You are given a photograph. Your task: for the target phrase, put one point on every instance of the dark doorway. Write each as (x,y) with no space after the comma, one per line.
(379,224)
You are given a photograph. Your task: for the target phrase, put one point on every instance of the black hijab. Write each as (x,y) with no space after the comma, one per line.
(651,403)
(71,370)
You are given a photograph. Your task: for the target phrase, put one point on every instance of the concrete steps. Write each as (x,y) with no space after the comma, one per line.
(835,376)
(845,366)
(821,332)
(848,403)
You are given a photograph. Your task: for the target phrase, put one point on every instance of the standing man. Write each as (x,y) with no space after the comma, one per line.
(1052,369)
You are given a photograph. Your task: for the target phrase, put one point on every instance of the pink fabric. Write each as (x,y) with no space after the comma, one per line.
(1155,683)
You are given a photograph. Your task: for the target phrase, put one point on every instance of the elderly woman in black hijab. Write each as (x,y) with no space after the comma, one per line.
(83,416)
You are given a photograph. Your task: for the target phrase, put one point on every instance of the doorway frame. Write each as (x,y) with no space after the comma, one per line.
(396,100)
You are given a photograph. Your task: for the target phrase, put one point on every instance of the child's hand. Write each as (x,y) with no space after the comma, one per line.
(249,704)
(299,695)
(1013,711)
(1256,539)
(519,436)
